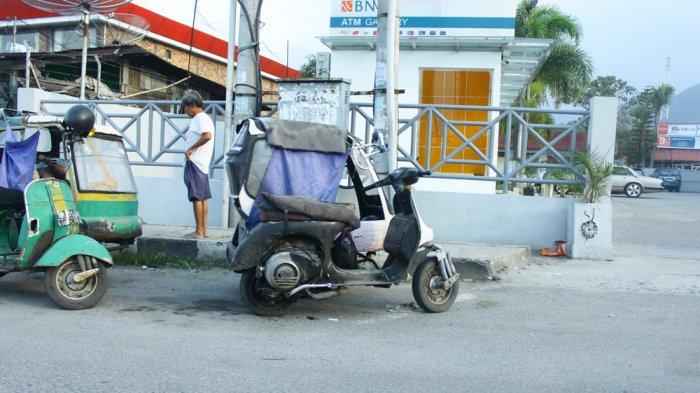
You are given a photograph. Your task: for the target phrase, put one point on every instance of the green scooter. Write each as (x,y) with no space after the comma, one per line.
(53,225)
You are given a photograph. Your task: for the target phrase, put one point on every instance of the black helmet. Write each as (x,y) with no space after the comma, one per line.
(79,119)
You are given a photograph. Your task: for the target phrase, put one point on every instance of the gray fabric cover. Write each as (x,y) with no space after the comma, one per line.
(301,135)
(315,209)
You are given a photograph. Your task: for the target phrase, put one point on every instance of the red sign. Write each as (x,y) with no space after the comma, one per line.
(663,140)
(663,129)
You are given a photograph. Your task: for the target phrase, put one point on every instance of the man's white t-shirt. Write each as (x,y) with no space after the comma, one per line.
(201,157)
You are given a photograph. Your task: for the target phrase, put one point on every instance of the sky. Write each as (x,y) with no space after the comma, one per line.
(626,38)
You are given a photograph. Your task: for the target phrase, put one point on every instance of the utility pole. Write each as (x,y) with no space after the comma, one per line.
(385,100)
(14,34)
(246,86)
(228,130)
(27,63)
(83,62)
(99,76)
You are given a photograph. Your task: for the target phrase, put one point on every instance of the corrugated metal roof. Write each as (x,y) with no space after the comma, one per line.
(680,155)
(161,26)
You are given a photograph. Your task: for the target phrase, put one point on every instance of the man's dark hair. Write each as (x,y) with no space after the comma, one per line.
(191,97)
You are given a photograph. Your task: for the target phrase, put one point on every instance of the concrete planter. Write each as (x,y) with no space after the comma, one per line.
(590,231)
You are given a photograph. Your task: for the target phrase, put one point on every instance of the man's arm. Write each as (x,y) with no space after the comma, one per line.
(204,138)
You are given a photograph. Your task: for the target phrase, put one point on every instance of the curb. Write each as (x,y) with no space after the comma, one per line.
(194,249)
(487,262)
(473,261)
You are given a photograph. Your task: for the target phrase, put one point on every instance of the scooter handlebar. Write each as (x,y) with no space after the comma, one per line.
(392,178)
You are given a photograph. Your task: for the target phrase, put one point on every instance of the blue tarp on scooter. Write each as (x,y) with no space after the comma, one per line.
(300,173)
(18,161)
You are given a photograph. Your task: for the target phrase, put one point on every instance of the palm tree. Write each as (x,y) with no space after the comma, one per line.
(568,68)
(657,98)
(642,120)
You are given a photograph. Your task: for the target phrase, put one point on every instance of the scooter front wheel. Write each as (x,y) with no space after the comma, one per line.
(260,297)
(428,291)
(63,289)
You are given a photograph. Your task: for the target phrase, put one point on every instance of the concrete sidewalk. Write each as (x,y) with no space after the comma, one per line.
(473,261)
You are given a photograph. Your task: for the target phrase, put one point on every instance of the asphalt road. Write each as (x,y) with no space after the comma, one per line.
(623,326)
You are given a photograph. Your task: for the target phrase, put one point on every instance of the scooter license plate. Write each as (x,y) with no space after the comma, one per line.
(67,217)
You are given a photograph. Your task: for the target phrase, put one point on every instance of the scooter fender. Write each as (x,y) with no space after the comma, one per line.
(418,258)
(72,245)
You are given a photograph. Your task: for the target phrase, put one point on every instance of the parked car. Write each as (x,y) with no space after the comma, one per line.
(625,180)
(670,178)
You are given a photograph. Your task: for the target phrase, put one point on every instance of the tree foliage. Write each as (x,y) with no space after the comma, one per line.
(638,122)
(308,69)
(607,86)
(568,68)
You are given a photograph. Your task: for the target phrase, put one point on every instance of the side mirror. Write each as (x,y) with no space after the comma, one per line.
(379,141)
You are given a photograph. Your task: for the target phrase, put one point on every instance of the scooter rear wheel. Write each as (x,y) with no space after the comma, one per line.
(427,291)
(70,295)
(253,291)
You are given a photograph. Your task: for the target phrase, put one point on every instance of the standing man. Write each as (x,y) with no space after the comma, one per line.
(198,152)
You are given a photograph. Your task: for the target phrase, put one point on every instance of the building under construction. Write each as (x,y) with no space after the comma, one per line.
(142,56)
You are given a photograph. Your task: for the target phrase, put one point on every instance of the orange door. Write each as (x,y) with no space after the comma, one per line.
(454,87)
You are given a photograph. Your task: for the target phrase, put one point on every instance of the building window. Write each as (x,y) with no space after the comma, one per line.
(168,54)
(150,82)
(69,39)
(454,87)
(32,40)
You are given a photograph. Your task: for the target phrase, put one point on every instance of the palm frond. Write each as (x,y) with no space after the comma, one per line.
(596,173)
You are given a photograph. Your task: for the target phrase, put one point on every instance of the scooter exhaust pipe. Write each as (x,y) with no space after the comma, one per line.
(327,294)
(308,286)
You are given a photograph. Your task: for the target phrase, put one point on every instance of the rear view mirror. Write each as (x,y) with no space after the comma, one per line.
(379,141)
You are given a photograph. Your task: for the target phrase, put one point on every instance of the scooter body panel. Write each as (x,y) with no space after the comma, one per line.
(264,236)
(50,215)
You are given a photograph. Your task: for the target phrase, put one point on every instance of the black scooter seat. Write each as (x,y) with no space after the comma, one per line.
(315,209)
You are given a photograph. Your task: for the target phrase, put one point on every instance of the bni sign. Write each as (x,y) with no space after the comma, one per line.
(679,136)
(421,18)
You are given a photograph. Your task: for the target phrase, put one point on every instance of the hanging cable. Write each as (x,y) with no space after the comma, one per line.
(189,57)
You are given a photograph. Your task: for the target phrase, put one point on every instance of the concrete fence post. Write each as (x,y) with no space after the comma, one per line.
(590,224)
(602,127)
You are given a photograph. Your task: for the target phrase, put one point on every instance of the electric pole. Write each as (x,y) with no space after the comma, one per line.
(228,129)
(247,82)
(83,61)
(385,100)
(246,76)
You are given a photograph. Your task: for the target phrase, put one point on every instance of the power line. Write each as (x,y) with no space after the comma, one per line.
(189,56)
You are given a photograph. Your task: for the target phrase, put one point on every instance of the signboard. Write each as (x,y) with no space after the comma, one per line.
(421,18)
(679,136)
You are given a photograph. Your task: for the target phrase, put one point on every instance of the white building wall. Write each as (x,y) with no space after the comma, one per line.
(358,66)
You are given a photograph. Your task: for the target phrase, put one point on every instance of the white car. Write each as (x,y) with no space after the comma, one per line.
(624,179)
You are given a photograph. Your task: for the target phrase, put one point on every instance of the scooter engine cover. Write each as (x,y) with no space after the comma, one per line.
(286,270)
